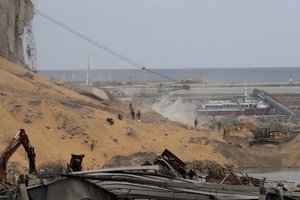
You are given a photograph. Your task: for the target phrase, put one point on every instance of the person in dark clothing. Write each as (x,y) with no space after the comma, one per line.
(196,123)
(219,126)
(21,178)
(132,113)
(26,180)
(138,115)
(120,116)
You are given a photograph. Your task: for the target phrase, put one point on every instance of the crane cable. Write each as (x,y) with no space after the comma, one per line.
(99,45)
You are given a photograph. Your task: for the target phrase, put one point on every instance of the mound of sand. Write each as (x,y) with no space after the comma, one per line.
(60,122)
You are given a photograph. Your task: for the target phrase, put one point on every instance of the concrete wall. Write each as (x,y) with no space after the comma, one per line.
(14,15)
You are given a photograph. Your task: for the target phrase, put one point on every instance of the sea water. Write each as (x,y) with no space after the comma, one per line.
(208,75)
(291,175)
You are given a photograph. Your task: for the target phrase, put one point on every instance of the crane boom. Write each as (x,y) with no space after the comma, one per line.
(20,139)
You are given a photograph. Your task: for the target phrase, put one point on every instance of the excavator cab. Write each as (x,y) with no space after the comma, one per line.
(264,133)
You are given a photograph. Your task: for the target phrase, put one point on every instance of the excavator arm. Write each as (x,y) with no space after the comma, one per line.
(20,139)
(230,130)
(254,129)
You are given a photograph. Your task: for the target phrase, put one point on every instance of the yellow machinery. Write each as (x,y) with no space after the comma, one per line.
(261,135)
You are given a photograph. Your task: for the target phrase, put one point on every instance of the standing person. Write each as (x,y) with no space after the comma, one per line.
(130,107)
(26,180)
(138,115)
(21,178)
(196,123)
(132,113)
(120,116)
(219,126)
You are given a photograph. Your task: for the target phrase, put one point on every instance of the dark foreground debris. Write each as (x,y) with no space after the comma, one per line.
(215,173)
(168,177)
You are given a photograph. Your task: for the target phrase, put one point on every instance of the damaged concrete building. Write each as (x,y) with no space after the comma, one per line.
(14,16)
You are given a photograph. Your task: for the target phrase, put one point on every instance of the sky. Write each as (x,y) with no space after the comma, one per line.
(169,33)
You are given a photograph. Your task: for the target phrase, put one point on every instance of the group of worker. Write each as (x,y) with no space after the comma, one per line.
(133,114)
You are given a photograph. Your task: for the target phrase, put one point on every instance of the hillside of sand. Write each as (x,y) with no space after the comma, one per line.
(61,122)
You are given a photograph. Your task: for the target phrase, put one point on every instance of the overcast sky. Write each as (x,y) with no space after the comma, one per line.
(170,33)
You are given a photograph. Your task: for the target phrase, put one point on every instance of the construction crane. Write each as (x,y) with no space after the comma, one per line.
(20,139)
(30,48)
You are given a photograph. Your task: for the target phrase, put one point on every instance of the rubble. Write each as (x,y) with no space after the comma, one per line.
(110,121)
(215,173)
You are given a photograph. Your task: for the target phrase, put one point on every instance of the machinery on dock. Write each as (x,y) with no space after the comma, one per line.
(273,102)
(20,139)
(260,135)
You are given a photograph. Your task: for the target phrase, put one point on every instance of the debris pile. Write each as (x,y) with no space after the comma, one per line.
(203,171)
(215,173)
(51,170)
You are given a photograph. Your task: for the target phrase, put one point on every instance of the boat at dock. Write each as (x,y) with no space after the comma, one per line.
(241,105)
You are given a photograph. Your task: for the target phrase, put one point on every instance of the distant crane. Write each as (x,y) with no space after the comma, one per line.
(30,48)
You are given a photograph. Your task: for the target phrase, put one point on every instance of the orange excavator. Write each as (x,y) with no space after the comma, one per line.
(20,139)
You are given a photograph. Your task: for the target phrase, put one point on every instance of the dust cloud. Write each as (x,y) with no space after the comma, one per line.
(178,110)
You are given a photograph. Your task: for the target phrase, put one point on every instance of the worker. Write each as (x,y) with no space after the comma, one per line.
(26,180)
(138,115)
(219,126)
(130,107)
(120,116)
(21,178)
(196,122)
(132,113)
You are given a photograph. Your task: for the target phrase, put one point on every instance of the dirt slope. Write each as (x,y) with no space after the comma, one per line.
(60,122)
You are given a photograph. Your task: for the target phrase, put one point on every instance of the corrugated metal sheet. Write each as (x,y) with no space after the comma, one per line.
(135,183)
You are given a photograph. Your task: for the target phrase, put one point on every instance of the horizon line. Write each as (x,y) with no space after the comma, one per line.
(167,68)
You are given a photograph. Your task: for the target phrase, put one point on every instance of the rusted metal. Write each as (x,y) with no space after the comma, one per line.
(207,172)
(173,165)
(215,173)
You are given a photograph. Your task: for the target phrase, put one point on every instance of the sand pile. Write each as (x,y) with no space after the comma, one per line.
(60,121)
